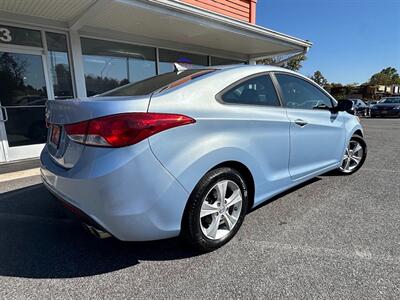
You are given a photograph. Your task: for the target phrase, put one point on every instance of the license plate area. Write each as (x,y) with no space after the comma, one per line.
(55,135)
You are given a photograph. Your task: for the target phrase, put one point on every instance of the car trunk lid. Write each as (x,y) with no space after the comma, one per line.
(62,112)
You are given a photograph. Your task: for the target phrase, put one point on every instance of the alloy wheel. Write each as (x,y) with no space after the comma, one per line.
(221,209)
(352,157)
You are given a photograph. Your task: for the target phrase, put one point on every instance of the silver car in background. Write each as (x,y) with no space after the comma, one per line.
(190,152)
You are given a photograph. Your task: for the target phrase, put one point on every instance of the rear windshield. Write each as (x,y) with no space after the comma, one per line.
(160,82)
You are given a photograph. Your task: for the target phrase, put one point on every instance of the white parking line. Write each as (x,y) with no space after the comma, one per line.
(363,254)
(19,174)
(379,170)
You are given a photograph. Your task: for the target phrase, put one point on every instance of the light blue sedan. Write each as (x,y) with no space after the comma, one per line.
(190,152)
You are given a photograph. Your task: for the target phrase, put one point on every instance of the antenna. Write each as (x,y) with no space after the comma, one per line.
(179,68)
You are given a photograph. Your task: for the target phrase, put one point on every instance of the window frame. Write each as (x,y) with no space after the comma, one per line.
(43,29)
(309,81)
(69,59)
(219,95)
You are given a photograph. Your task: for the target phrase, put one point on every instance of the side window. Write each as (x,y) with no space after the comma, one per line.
(255,91)
(301,94)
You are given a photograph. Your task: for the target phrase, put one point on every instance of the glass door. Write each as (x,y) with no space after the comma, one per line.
(24,90)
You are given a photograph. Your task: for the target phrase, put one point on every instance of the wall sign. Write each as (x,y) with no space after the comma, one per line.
(5,35)
(20,36)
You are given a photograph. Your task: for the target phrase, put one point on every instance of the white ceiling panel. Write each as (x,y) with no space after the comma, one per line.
(143,22)
(60,10)
(162,23)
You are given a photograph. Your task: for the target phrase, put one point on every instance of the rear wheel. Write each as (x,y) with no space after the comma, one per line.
(354,156)
(215,210)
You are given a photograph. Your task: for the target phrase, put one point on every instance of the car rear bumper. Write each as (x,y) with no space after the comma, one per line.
(388,113)
(130,196)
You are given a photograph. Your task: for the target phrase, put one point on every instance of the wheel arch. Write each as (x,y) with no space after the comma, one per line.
(352,126)
(243,170)
(359,132)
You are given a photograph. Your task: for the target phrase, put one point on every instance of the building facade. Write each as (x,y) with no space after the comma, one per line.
(60,49)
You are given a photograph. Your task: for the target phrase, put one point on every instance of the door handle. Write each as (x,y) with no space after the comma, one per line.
(4,113)
(301,122)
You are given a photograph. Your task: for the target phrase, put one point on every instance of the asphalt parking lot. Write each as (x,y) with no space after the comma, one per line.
(333,237)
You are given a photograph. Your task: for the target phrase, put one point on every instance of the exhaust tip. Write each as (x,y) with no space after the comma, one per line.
(100,234)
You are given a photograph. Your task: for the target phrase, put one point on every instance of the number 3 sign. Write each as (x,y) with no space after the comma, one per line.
(5,35)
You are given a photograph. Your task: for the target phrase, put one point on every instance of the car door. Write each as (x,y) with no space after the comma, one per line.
(317,135)
(261,122)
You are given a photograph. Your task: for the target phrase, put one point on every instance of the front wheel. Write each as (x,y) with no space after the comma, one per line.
(215,210)
(354,156)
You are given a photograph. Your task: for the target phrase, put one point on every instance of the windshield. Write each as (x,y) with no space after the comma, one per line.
(160,82)
(394,100)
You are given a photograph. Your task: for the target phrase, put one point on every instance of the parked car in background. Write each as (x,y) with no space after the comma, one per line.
(190,152)
(386,107)
(360,108)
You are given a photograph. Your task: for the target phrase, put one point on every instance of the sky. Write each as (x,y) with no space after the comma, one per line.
(352,39)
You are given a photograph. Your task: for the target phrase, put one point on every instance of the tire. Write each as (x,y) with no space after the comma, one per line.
(198,231)
(352,155)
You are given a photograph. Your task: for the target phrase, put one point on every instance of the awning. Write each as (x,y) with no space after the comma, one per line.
(162,23)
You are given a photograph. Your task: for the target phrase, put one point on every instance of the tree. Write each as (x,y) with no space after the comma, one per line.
(319,78)
(294,64)
(385,77)
(12,72)
(333,84)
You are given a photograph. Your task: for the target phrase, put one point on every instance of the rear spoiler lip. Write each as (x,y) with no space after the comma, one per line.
(76,110)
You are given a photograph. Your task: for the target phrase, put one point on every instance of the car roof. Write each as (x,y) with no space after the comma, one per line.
(254,69)
(261,68)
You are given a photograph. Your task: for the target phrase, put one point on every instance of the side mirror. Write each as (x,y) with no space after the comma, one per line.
(344,105)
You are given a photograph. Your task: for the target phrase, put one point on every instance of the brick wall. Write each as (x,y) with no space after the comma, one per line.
(244,10)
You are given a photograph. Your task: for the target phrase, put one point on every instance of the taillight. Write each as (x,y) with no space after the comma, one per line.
(123,129)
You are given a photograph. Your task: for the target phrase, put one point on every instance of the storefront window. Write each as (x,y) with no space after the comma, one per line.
(59,65)
(169,57)
(219,61)
(109,64)
(23,94)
